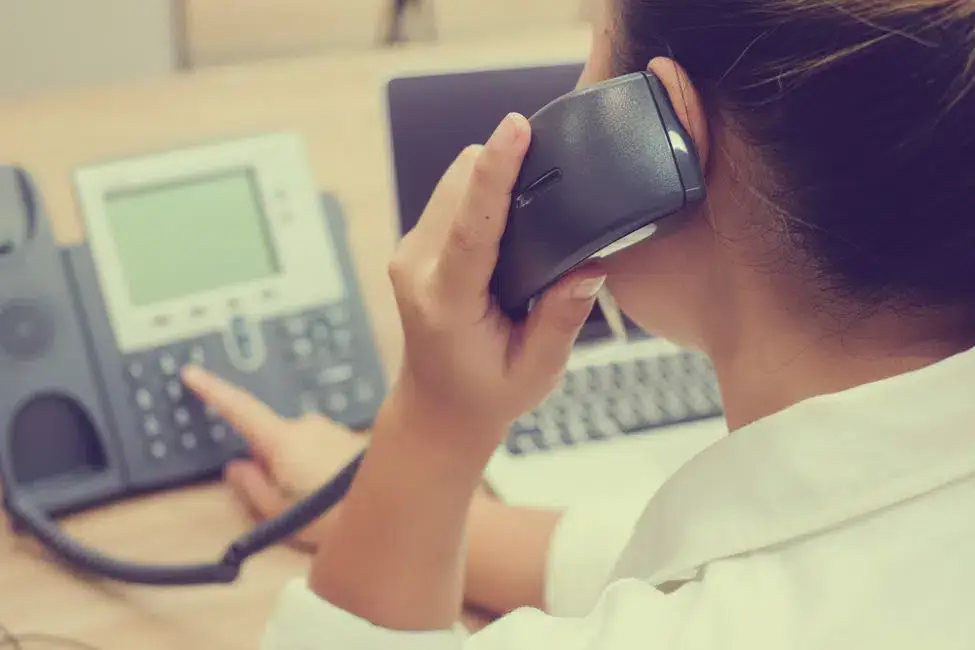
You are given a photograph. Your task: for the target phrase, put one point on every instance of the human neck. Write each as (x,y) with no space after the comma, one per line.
(775,359)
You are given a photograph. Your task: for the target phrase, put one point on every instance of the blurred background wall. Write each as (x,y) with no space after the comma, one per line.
(49,45)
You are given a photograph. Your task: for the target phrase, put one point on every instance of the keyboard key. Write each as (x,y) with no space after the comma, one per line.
(625,413)
(675,407)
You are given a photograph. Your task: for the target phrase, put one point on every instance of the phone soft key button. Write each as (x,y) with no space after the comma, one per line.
(197,355)
(334,375)
(135,370)
(168,364)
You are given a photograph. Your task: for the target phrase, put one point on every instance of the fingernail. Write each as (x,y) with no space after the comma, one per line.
(588,288)
(191,373)
(507,132)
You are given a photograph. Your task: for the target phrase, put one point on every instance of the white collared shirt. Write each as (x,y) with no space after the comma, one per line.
(846,521)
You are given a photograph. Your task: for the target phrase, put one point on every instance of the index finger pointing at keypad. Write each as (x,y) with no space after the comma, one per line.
(252,418)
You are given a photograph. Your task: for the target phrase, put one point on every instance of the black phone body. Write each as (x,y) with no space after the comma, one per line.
(606,165)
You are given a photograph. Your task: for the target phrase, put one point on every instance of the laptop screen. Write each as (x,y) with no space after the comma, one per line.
(433,117)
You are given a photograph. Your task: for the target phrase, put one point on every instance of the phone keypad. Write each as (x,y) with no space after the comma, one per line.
(321,345)
(173,421)
(633,398)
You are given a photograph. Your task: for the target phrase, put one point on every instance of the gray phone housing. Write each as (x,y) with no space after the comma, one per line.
(72,432)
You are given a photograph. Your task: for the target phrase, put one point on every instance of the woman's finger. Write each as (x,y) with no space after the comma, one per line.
(255,489)
(554,324)
(264,499)
(250,417)
(470,251)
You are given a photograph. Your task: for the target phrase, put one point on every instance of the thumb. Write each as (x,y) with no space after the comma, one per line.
(255,489)
(265,500)
(554,323)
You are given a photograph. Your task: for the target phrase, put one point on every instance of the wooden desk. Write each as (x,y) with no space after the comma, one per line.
(338,105)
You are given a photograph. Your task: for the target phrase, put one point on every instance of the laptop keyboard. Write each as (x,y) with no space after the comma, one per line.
(633,397)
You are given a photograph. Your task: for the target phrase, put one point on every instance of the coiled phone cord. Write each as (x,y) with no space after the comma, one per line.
(43,527)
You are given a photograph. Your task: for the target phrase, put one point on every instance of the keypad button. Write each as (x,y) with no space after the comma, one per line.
(218,432)
(335,374)
(336,403)
(151,425)
(181,417)
(342,340)
(363,391)
(337,315)
(302,348)
(136,370)
(167,364)
(188,440)
(175,390)
(143,398)
(320,332)
(158,450)
(295,326)
(197,355)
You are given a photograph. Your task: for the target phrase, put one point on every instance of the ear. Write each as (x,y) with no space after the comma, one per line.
(687,103)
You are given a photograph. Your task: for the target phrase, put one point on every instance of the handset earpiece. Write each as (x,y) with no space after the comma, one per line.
(606,163)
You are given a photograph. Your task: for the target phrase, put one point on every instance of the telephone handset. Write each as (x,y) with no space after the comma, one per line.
(223,255)
(605,166)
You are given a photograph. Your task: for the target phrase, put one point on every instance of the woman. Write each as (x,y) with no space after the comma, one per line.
(829,279)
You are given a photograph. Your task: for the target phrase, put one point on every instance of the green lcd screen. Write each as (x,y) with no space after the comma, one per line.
(183,238)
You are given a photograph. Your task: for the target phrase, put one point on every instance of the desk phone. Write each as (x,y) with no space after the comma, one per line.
(222,255)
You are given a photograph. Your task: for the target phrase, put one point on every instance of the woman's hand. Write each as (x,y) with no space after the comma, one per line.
(290,458)
(396,556)
(466,365)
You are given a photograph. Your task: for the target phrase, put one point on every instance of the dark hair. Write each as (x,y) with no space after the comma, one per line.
(864,112)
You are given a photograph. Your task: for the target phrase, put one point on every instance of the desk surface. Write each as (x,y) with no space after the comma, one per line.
(337,103)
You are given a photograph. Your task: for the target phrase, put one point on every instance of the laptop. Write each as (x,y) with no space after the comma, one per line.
(633,408)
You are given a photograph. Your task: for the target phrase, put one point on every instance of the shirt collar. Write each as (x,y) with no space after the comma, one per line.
(811,467)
